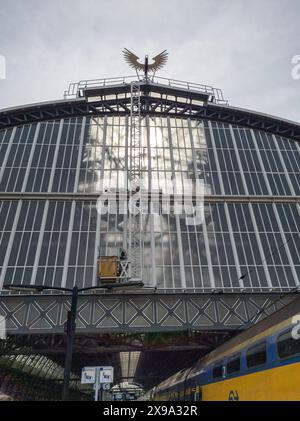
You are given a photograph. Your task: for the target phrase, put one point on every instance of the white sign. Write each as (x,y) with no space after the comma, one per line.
(106,386)
(88,375)
(106,374)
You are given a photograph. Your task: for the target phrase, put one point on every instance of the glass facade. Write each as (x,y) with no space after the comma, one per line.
(248,238)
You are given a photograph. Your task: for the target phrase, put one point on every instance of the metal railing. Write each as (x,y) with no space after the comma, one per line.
(76,89)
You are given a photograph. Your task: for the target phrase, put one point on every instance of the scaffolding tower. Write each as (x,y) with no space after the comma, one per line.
(134,227)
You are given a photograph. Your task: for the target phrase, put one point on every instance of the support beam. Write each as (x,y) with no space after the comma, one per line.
(139,312)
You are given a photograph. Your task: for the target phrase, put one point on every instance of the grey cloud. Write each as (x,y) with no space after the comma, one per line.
(243,47)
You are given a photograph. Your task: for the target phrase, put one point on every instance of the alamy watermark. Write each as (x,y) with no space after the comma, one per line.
(296,67)
(2,67)
(184,198)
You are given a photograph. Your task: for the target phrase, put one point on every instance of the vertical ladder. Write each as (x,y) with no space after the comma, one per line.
(134,178)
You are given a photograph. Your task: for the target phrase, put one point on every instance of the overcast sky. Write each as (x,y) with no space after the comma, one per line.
(244,47)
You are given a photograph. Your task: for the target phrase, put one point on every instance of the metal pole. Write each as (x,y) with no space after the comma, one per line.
(97,385)
(71,327)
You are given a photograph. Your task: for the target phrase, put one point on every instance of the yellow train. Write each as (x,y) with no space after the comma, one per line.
(260,364)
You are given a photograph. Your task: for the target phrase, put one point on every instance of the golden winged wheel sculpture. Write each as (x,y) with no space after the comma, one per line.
(158,62)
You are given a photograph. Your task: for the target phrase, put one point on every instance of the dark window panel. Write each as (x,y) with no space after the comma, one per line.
(217,276)
(36,156)
(53,249)
(57,216)
(4,208)
(31,180)
(46,180)
(262,183)
(234,365)
(55,131)
(50,216)
(18,276)
(257,355)
(67,156)
(40,275)
(71,181)
(89,274)
(188,277)
(30,216)
(12,155)
(287,346)
(227,282)
(26,238)
(32,249)
(11,216)
(258,276)
(19,132)
(44,249)
(3,149)
(236,187)
(50,156)
(27,276)
(48,133)
(79,278)
(74,249)
(3,246)
(60,157)
(20,180)
(62,249)
(38,180)
(16,155)
(9,276)
(66,216)
(58,276)
(177,277)
(86,216)
(217,372)
(39,216)
(22,216)
(71,277)
(63,181)
(49,276)
(2,134)
(15,249)
(77,218)
(9,174)
(56,180)
(74,157)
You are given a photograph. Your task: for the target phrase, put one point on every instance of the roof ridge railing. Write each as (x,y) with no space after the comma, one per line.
(75,89)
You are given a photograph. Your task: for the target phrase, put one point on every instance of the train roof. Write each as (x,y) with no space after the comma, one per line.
(259,328)
(251,333)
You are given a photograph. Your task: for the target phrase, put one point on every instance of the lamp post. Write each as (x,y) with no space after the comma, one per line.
(71,318)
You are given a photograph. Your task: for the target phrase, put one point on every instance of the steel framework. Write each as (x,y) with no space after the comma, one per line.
(139,312)
(134,177)
(143,312)
(184,103)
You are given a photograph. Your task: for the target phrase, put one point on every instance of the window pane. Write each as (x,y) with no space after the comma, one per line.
(257,355)
(287,346)
(234,365)
(217,372)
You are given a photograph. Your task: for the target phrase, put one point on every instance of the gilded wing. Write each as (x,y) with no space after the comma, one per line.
(132,60)
(159,61)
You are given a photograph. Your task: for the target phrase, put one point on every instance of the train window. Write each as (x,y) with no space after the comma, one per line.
(217,371)
(234,365)
(287,346)
(257,355)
